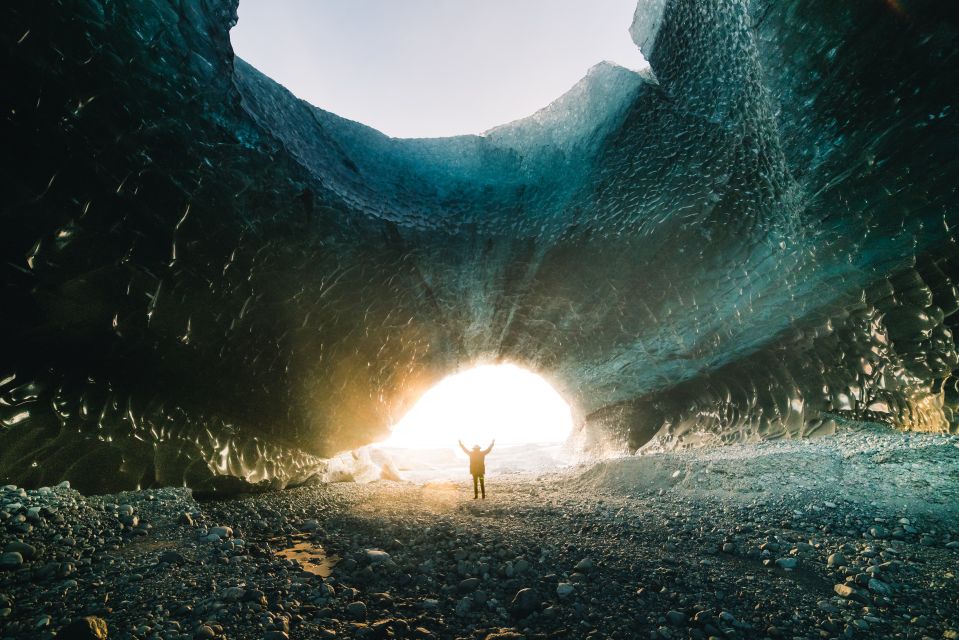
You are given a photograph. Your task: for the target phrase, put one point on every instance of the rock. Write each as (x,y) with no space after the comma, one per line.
(87,628)
(356,610)
(564,589)
(525,602)
(728,547)
(505,634)
(584,565)
(170,557)
(276,635)
(11,560)
(204,632)
(186,518)
(787,563)
(463,606)
(676,618)
(952,545)
(377,556)
(310,525)
(25,550)
(836,560)
(850,593)
(469,584)
(879,587)
(430,604)
(221,532)
(233,594)
(879,532)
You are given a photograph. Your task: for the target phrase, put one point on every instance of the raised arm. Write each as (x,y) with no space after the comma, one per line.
(490,447)
(465,450)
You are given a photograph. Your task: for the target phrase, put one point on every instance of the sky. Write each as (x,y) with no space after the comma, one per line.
(428,68)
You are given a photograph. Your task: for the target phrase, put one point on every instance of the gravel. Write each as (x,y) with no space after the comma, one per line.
(615,550)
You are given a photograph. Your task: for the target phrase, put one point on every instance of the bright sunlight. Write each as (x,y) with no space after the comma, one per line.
(511,404)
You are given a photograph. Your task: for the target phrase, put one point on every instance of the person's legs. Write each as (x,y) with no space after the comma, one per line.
(475,488)
(482,487)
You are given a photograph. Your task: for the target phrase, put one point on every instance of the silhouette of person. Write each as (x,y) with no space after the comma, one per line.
(478,466)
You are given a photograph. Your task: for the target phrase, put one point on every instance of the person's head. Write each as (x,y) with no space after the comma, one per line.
(475,447)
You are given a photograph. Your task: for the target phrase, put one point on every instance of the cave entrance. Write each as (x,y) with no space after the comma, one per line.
(522,411)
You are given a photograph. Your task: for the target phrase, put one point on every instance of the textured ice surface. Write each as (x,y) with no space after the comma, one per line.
(206,279)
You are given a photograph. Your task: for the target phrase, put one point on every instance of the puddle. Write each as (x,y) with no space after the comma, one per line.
(311,557)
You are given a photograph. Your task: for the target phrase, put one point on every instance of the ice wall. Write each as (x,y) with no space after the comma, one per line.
(207,281)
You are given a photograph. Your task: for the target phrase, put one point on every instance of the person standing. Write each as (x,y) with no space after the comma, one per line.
(478,466)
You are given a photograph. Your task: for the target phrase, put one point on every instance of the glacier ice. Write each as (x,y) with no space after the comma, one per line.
(207,281)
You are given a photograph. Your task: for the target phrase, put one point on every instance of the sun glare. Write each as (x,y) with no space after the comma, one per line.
(511,404)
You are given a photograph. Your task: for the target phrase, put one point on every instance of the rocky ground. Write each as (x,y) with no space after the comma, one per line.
(855,535)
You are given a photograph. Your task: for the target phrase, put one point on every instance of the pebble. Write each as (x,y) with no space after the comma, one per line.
(584,565)
(836,560)
(86,628)
(377,556)
(676,618)
(525,602)
(356,610)
(25,550)
(10,560)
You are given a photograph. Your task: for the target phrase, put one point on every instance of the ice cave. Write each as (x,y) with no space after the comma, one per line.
(214,289)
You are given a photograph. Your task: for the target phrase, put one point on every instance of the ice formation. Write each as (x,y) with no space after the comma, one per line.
(207,281)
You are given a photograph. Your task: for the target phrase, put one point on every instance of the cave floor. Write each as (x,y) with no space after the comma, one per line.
(854,535)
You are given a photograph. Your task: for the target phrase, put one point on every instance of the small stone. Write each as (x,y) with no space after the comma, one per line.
(463,606)
(221,532)
(87,628)
(377,556)
(24,549)
(204,632)
(469,584)
(356,610)
(676,618)
(525,602)
(787,563)
(878,532)
(564,589)
(879,587)
(729,547)
(850,593)
(11,560)
(186,518)
(836,560)
(584,565)
(233,594)
(170,557)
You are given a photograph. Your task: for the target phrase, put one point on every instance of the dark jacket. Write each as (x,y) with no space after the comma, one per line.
(477,460)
